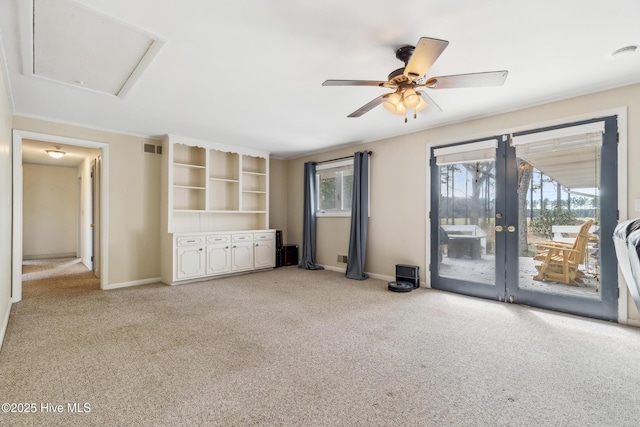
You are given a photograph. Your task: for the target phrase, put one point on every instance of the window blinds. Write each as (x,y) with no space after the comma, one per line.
(473,152)
(568,138)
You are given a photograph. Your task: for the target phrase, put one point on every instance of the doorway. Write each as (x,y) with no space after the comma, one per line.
(519,218)
(17,251)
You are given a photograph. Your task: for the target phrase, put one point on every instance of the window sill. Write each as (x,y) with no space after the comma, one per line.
(320,214)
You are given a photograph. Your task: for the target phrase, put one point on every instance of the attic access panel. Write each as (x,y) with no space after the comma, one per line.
(76,45)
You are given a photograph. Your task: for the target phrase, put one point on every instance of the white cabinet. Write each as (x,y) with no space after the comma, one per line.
(218,254)
(242,252)
(264,251)
(207,255)
(190,261)
(242,257)
(215,210)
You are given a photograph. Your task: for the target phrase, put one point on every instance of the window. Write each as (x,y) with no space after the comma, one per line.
(334,182)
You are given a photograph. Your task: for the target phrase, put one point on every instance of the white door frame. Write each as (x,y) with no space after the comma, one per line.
(18,136)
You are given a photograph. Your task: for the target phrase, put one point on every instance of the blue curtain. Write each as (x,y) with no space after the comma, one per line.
(359,217)
(308,258)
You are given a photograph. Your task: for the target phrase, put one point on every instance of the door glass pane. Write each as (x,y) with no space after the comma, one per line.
(466,218)
(559,217)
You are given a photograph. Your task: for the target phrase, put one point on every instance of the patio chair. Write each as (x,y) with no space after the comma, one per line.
(560,260)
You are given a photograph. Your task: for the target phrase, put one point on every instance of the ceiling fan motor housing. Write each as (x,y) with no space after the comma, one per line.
(404,53)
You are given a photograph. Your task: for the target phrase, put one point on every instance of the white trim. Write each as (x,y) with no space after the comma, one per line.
(18,136)
(531,138)
(5,323)
(132,283)
(86,126)
(371,275)
(5,73)
(623,309)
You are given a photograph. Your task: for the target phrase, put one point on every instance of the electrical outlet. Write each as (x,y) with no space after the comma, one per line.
(342,258)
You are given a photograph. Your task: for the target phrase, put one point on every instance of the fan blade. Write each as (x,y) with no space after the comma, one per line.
(428,100)
(371,105)
(491,78)
(425,54)
(353,83)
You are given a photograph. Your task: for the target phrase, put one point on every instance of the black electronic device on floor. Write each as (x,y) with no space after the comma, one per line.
(408,274)
(400,286)
(279,257)
(289,255)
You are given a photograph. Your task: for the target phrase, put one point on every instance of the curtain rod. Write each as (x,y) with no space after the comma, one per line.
(340,158)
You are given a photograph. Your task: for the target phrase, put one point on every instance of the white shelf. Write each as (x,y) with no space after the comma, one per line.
(190,187)
(187,165)
(213,187)
(223,180)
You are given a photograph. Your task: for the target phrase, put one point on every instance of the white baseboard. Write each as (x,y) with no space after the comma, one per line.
(5,322)
(133,283)
(632,322)
(372,275)
(51,256)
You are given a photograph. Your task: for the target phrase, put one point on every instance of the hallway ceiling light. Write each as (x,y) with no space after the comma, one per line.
(56,154)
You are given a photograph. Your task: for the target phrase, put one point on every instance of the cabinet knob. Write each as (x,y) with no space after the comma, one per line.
(257,244)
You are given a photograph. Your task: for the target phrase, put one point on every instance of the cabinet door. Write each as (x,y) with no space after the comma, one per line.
(218,259)
(190,262)
(265,254)
(242,256)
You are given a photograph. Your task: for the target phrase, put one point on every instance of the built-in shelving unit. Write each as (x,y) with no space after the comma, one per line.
(211,188)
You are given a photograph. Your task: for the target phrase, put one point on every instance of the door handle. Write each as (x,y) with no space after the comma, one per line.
(511,229)
(499,229)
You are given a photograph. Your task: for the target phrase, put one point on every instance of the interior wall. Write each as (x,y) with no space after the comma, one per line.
(134,199)
(278,174)
(6,203)
(399,180)
(50,211)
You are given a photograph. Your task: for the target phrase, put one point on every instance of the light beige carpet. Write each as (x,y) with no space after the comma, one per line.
(291,347)
(56,277)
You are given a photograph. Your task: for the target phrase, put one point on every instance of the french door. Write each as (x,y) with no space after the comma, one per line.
(528,218)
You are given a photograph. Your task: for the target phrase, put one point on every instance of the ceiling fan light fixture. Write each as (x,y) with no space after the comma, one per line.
(401,110)
(410,98)
(421,105)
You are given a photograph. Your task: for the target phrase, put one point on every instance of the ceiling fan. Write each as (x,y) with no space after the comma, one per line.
(418,59)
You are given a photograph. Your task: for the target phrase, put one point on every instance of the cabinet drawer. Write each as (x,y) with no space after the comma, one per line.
(242,238)
(263,236)
(212,240)
(189,240)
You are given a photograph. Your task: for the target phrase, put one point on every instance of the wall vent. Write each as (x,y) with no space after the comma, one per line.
(342,258)
(151,148)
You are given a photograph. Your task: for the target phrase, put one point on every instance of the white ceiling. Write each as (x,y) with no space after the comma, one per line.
(249,72)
